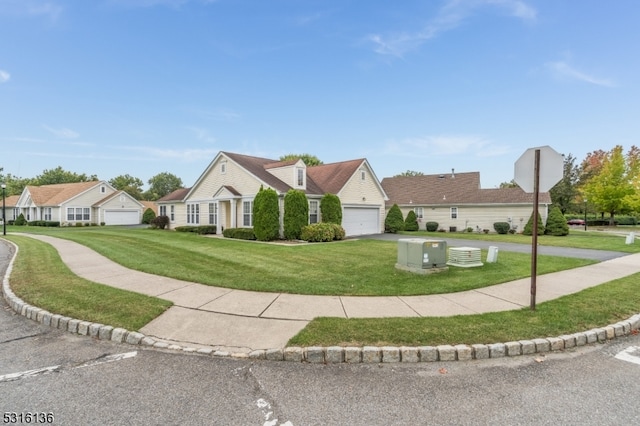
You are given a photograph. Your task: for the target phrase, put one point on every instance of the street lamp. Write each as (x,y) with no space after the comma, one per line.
(4,216)
(585,214)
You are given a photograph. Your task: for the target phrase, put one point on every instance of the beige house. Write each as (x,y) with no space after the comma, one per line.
(223,195)
(457,202)
(94,202)
(10,208)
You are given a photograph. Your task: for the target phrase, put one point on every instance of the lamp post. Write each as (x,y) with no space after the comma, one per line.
(4,216)
(585,214)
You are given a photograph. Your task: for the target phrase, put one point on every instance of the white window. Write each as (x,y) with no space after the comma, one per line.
(70,213)
(223,167)
(103,189)
(78,213)
(300,176)
(247,213)
(193,214)
(419,212)
(173,211)
(313,212)
(363,175)
(213,213)
(454,212)
(47,213)
(163,210)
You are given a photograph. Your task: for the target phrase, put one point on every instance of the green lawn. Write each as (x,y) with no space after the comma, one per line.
(40,278)
(351,267)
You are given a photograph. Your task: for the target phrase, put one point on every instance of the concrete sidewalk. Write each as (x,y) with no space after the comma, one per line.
(242,321)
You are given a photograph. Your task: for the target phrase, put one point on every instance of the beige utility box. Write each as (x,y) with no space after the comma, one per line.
(416,254)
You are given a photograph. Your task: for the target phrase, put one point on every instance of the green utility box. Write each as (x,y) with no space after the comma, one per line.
(419,253)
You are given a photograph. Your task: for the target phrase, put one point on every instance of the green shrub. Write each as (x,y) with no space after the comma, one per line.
(331,209)
(502,227)
(160,222)
(201,230)
(338,232)
(296,213)
(318,232)
(266,215)
(148,216)
(45,223)
(431,226)
(20,221)
(411,221)
(239,233)
(556,223)
(394,221)
(528,228)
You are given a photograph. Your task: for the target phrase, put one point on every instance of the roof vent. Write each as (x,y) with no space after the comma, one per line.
(453,174)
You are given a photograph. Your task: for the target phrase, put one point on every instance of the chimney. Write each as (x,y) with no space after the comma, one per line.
(453,173)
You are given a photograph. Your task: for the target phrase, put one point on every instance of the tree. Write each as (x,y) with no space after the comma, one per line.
(148,216)
(411,222)
(15,185)
(564,193)
(611,186)
(266,215)
(59,175)
(556,223)
(296,213)
(331,209)
(410,173)
(129,184)
(528,228)
(511,184)
(162,184)
(394,221)
(308,159)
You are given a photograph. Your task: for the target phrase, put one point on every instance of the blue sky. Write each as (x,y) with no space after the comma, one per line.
(140,87)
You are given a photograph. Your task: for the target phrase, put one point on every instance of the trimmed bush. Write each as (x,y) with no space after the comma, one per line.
(318,232)
(338,232)
(160,222)
(394,221)
(296,213)
(411,221)
(502,227)
(431,226)
(331,209)
(148,216)
(528,228)
(201,230)
(20,221)
(239,233)
(44,223)
(556,223)
(266,215)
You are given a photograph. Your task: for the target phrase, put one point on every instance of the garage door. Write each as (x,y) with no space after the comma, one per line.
(361,220)
(122,217)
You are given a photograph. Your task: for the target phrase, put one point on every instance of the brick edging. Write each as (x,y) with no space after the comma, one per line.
(328,354)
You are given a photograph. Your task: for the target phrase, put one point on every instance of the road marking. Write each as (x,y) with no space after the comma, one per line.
(29,373)
(39,371)
(631,354)
(108,358)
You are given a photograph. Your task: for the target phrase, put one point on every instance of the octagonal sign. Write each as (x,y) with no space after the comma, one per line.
(551,169)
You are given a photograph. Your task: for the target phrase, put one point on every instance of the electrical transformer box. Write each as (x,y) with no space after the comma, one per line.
(420,253)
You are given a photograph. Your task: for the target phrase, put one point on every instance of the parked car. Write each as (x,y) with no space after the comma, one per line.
(575,222)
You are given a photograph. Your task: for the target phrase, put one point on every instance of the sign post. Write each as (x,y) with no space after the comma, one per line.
(537,170)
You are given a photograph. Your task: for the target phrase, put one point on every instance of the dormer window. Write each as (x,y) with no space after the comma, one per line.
(300,176)
(103,189)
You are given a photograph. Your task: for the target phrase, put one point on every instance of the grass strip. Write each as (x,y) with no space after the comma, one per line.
(40,278)
(591,308)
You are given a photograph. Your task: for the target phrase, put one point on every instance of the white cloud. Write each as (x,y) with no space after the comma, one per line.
(184,155)
(202,135)
(62,132)
(563,70)
(4,76)
(449,17)
(444,146)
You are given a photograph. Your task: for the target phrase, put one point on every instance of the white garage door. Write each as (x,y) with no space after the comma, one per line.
(121,217)
(361,220)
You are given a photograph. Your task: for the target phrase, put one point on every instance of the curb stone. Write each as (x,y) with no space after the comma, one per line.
(332,354)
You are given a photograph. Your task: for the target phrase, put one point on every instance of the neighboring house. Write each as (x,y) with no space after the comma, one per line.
(223,195)
(83,202)
(10,208)
(456,201)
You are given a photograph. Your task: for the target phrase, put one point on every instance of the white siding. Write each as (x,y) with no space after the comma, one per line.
(364,193)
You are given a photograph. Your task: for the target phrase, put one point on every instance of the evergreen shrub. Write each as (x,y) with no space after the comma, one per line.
(411,221)
(266,215)
(331,209)
(431,226)
(502,227)
(394,221)
(296,214)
